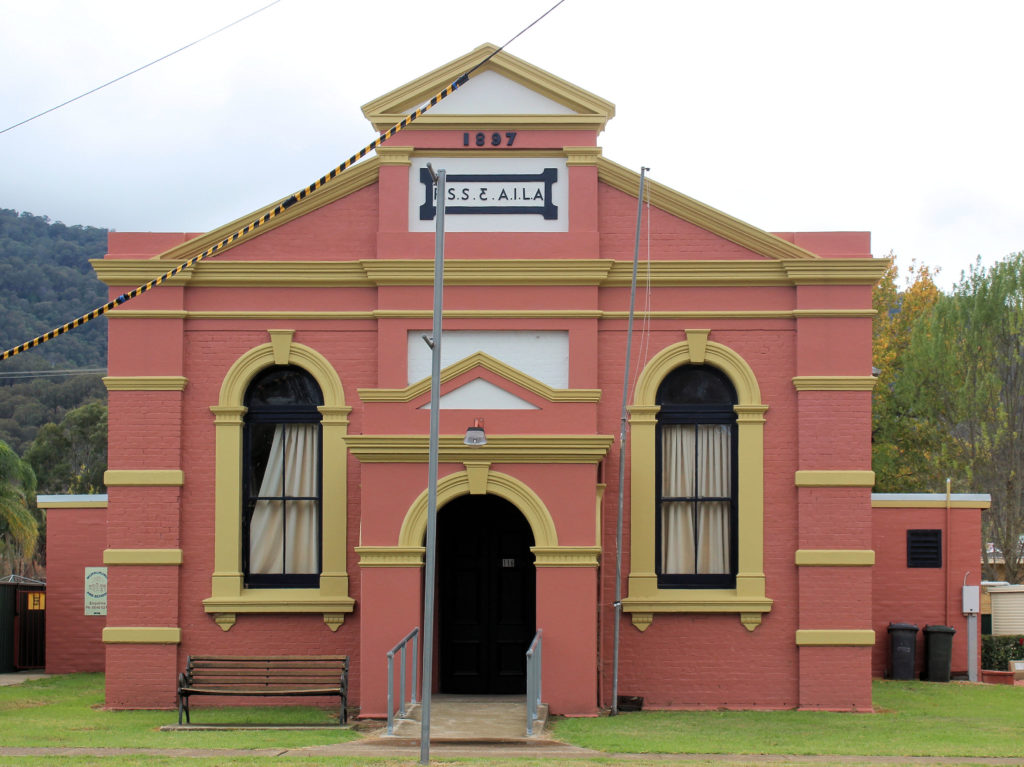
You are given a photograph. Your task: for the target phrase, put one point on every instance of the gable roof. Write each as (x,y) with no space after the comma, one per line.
(586,110)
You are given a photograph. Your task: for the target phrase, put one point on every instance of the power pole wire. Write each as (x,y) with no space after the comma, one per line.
(139,69)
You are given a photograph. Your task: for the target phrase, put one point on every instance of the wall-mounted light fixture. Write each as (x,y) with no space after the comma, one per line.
(475,435)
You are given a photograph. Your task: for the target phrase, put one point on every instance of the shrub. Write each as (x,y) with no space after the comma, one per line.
(998,651)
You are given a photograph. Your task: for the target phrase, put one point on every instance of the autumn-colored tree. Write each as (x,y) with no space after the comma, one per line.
(904,446)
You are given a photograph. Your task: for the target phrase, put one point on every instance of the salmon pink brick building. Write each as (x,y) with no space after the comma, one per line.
(269,426)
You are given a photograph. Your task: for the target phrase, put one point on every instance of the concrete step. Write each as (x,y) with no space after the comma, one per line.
(476,718)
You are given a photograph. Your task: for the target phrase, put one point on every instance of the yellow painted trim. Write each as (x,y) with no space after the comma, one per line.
(395,155)
(143,477)
(591,111)
(145,383)
(835,637)
(141,635)
(529,448)
(142,556)
(524,271)
(829,271)
(71,504)
(520,495)
(814,478)
(390,556)
(834,558)
(145,314)
(228,594)
(834,383)
(280,601)
(581,155)
(715,221)
(519,271)
(489,363)
(930,504)
(541,314)
(351,180)
(749,597)
(566,556)
(834,313)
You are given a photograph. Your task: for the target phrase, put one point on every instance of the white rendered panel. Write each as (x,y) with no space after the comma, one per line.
(492,194)
(541,354)
(481,395)
(488,93)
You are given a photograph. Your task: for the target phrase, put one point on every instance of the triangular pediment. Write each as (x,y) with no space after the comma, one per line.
(482,365)
(479,394)
(501,86)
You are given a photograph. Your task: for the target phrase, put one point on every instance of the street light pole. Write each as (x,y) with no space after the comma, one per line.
(435,402)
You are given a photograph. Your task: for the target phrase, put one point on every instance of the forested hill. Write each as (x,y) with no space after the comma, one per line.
(45,281)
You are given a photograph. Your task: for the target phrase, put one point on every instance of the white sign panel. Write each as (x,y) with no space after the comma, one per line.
(95,591)
(491,194)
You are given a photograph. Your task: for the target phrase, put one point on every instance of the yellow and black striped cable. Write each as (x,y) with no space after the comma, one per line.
(249,228)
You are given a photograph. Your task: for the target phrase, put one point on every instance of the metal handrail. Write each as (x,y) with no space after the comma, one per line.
(533,675)
(400,648)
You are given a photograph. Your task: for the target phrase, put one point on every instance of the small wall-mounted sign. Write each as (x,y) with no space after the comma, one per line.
(95,591)
(36,600)
(508,563)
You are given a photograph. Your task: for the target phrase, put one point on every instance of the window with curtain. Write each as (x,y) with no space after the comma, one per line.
(281,480)
(696,478)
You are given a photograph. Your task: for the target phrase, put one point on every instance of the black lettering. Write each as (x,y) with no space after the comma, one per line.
(503,195)
(495,139)
(483,193)
(465,139)
(465,193)
(451,194)
(511,136)
(480,139)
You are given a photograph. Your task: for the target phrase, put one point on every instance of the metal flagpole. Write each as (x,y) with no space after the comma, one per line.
(435,402)
(622,452)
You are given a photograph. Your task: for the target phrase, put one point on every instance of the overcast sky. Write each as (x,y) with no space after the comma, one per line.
(902,118)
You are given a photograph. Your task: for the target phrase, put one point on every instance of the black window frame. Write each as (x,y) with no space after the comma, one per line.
(672,413)
(280,414)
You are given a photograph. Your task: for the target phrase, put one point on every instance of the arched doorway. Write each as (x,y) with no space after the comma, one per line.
(486,595)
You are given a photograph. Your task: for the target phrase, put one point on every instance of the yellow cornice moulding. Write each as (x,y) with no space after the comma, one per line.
(145,383)
(142,556)
(566,556)
(141,635)
(840,478)
(390,556)
(834,383)
(835,557)
(143,477)
(543,448)
(835,637)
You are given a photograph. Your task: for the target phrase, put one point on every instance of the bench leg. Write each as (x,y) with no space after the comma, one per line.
(183,705)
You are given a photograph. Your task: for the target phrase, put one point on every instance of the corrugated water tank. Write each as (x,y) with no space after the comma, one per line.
(1007,610)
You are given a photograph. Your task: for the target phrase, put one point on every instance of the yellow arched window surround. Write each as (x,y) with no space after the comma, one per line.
(228,593)
(644,596)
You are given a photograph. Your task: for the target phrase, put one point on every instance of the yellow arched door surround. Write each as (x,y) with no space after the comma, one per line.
(644,596)
(478,479)
(228,593)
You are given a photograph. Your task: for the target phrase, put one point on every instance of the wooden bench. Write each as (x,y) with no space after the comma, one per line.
(288,675)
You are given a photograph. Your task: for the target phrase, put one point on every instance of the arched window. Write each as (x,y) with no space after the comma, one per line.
(281,480)
(696,479)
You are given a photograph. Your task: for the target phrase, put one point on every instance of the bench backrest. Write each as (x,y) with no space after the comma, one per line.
(291,671)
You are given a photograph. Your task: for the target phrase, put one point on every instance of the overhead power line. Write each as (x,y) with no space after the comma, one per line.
(139,69)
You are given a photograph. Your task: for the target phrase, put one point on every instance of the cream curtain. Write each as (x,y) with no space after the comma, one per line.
(283,534)
(696,463)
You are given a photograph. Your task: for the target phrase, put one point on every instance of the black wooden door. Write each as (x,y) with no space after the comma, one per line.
(486,596)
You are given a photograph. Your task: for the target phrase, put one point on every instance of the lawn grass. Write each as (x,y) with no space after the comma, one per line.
(66,711)
(911,719)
